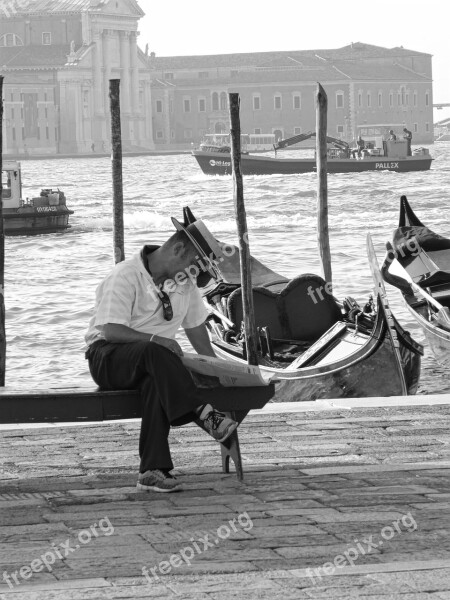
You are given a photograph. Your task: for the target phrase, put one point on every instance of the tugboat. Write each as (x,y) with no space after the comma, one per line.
(46,213)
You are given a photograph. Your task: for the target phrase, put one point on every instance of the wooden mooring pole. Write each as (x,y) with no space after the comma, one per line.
(322,183)
(244,246)
(2,253)
(116,159)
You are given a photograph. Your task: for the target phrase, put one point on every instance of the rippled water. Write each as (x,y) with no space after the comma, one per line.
(50,279)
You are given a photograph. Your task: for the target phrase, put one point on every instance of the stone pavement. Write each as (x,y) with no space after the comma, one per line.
(338,502)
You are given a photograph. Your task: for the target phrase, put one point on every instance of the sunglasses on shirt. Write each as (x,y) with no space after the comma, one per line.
(167,305)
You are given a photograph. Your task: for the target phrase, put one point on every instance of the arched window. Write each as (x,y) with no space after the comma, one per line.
(223,101)
(215,101)
(278,134)
(10,39)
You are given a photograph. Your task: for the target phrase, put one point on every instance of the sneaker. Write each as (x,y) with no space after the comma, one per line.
(216,423)
(158,480)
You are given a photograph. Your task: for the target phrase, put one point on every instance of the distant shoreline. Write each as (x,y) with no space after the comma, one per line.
(23,157)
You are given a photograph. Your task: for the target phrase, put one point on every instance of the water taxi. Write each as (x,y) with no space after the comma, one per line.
(46,213)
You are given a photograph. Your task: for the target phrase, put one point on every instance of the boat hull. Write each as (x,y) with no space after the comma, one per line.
(36,220)
(213,163)
(428,264)
(372,371)
(438,339)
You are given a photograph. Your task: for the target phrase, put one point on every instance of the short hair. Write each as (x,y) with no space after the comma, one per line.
(180,236)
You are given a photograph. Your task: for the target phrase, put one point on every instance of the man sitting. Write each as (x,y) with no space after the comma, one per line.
(139,308)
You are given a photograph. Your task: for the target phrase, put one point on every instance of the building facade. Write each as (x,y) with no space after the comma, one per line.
(57,57)
(365,84)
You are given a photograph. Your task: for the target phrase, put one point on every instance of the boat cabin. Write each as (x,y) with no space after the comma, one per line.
(12,184)
(253,142)
(260,142)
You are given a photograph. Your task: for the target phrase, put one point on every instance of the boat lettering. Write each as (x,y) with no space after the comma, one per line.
(46,209)
(386,165)
(219,163)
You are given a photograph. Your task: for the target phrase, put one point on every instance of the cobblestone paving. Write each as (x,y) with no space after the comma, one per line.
(336,504)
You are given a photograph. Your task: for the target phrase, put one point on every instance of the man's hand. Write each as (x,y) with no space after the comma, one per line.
(168,343)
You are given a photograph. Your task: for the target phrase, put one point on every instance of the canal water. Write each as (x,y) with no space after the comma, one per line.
(50,279)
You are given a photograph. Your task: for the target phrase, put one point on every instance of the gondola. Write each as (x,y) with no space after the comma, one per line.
(314,345)
(423,278)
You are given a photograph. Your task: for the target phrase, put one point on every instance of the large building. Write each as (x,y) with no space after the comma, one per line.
(365,84)
(57,57)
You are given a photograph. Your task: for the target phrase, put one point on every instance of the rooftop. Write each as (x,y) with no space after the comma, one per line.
(66,6)
(278,58)
(40,56)
(359,50)
(363,71)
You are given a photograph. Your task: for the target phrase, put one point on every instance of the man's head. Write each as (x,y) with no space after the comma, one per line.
(193,248)
(179,252)
(391,131)
(405,130)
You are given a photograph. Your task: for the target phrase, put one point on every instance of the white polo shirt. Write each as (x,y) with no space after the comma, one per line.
(128,296)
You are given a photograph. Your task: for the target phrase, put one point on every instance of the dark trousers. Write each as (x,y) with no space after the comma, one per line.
(168,393)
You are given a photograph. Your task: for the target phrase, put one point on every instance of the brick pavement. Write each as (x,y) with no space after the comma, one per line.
(336,503)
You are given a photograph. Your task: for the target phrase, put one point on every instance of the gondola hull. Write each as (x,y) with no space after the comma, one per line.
(428,264)
(437,338)
(371,371)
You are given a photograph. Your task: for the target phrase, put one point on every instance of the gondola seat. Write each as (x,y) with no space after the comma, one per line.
(301,310)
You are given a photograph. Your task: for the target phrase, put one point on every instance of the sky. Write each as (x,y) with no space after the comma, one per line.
(182,27)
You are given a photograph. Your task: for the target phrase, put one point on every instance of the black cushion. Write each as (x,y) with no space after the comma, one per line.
(301,310)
